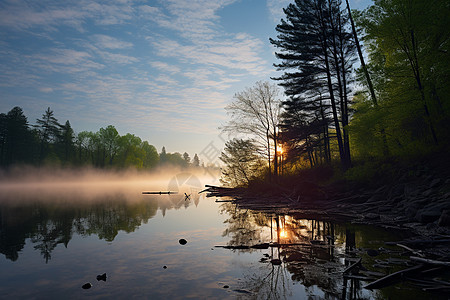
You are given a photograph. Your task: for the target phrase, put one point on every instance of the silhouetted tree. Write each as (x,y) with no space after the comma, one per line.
(17,138)
(315,45)
(196,161)
(163,155)
(49,130)
(66,140)
(186,158)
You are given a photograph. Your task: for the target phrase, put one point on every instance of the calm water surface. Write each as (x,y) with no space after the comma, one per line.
(53,244)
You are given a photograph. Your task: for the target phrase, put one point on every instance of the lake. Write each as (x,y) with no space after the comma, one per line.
(55,237)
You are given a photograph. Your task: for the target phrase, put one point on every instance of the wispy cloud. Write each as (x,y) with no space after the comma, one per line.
(109,42)
(23,15)
(65,61)
(163,66)
(46,89)
(204,41)
(50,15)
(276,9)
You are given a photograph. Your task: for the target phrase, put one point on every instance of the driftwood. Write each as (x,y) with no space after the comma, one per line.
(267,245)
(219,191)
(358,277)
(422,242)
(160,193)
(410,250)
(353,266)
(257,246)
(430,261)
(392,278)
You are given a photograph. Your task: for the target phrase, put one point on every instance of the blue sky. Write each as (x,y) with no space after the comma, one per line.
(162,70)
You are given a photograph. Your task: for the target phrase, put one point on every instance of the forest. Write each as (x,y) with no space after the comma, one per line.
(52,144)
(360,87)
(356,88)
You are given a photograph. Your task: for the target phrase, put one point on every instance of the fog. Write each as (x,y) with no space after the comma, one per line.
(27,183)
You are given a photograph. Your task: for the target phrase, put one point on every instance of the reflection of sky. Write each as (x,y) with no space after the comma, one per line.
(134,262)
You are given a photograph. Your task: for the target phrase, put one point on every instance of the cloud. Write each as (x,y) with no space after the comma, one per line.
(118,58)
(109,42)
(231,53)
(157,68)
(21,15)
(204,41)
(46,89)
(276,9)
(165,67)
(195,19)
(65,61)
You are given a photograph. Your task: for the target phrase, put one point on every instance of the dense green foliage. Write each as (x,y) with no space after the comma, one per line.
(395,107)
(50,143)
(408,46)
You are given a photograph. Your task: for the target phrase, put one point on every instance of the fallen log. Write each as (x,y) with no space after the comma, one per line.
(392,278)
(234,247)
(364,278)
(353,266)
(410,250)
(430,261)
(160,193)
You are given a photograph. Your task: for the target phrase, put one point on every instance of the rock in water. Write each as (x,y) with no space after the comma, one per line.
(101,277)
(372,252)
(182,242)
(87,285)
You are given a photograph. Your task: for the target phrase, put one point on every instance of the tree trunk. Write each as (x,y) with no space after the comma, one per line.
(342,156)
(340,75)
(366,73)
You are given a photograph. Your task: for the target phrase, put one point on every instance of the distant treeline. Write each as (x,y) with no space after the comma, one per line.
(51,143)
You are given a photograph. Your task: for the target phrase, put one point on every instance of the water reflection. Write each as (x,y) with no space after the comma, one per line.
(49,222)
(270,255)
(307,252)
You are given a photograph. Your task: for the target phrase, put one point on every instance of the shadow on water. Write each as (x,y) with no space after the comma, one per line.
(48,222)
(315,254)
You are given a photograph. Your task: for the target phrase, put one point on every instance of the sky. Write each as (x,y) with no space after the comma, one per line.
(163,70)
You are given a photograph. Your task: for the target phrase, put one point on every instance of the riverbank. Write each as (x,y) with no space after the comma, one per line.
(411,195)
(411,198)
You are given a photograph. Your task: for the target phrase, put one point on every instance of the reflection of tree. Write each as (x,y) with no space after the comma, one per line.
(106,219)
(15,223)
(311,252)
(49,235)
(49,223)
(245,227)
(270,283)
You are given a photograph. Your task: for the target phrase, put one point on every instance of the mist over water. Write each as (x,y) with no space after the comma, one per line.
(43,184)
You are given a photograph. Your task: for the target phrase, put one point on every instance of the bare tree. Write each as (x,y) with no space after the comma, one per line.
(242,162)
(256,112)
